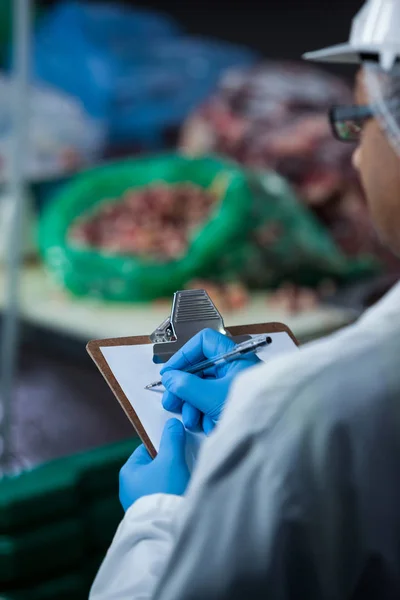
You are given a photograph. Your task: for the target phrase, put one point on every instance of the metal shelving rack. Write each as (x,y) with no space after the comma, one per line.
(9,342)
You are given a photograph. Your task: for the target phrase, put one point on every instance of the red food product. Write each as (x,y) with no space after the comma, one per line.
(214,290)
(292,299)
(274,116)
(227,297)
(154,222)
(288,298)
(237,296)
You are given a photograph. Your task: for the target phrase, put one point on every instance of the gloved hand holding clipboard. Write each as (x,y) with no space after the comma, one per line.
(128,364)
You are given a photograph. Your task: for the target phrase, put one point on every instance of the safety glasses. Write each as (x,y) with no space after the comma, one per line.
(347,121)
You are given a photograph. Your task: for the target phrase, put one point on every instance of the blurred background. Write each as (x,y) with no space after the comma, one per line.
(145,148)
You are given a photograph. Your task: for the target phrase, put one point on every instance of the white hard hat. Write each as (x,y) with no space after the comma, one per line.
(374,37)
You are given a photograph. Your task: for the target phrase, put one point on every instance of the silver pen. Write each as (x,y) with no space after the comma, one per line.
(239,350)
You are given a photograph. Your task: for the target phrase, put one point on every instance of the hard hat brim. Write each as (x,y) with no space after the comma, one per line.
(342,53)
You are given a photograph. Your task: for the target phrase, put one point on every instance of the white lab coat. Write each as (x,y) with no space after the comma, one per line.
(308,438)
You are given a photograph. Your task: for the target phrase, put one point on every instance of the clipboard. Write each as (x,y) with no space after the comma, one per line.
(240,332)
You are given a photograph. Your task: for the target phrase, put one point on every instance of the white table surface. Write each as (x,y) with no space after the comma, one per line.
(44,305)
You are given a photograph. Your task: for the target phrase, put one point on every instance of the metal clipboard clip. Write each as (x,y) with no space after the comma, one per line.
(192,311)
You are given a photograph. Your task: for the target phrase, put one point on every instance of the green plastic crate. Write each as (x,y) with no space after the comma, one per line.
(58,489)
(55,515)
(69,587)
(101,521)
(73,585)
(36,553)
(99,469)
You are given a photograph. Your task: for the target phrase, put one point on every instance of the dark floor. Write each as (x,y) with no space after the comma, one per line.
(61,407)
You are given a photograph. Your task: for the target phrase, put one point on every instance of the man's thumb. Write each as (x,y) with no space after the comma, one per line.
(173,439)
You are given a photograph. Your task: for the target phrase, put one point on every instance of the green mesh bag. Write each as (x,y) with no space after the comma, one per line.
(130,278)
(285,241)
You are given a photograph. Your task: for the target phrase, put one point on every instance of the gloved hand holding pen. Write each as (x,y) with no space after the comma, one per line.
(200,399)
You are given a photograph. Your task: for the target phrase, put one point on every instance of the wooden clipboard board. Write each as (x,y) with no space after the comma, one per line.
(94,350)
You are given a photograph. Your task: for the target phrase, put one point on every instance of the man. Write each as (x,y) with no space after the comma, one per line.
(297,491)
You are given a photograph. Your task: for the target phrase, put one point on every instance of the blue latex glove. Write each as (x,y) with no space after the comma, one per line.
(201,397)
(166,474)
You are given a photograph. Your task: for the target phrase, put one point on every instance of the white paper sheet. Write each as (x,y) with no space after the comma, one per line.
(133,368)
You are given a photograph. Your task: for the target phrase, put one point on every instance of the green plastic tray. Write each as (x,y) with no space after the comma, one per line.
(55,515)
(36,553)
(60,488)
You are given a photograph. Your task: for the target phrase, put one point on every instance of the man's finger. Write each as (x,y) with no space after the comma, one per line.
(190,416)
(206,344)
(208,425)
(192,389)
(171,402)
(173,439)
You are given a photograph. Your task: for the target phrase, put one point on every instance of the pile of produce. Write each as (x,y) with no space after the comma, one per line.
(227,297)
(288,298)
(274,116)
(154,222)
